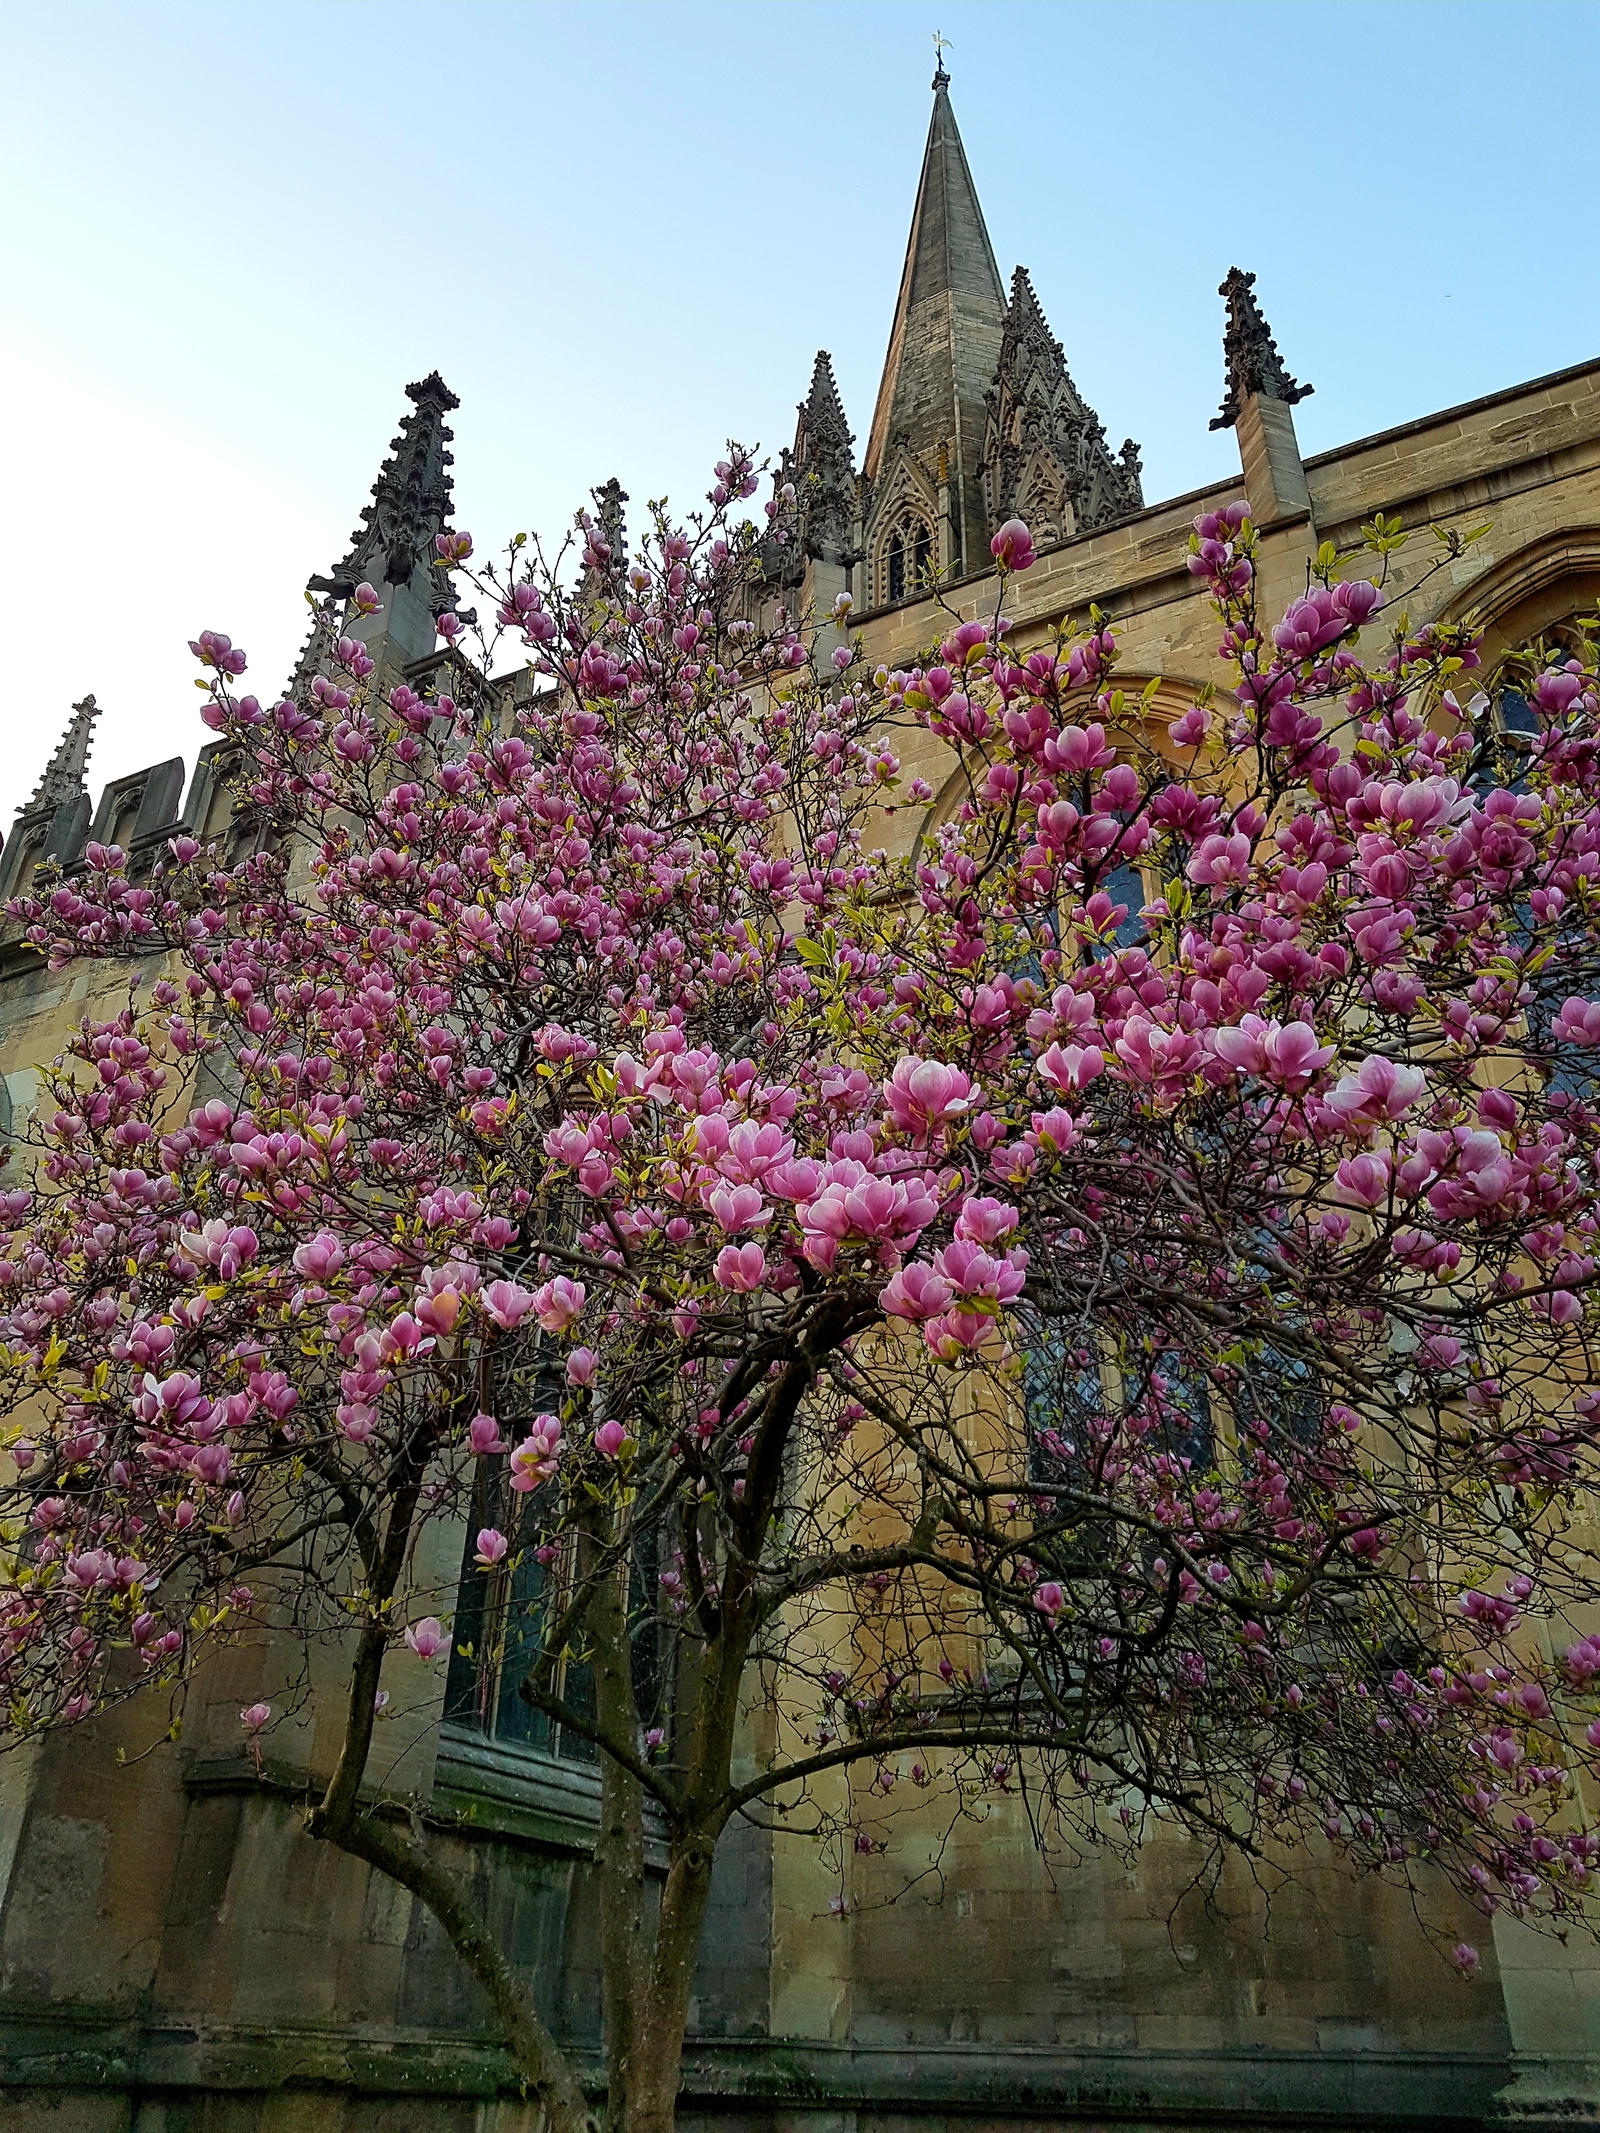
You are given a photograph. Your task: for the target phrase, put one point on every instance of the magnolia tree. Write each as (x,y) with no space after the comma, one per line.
(896,1333)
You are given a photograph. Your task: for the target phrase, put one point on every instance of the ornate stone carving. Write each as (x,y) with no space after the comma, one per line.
(393,548)
(605,534)
(823,469)
(411,503)
(52,825)
(1253,362)
(63,778)
(1045,458)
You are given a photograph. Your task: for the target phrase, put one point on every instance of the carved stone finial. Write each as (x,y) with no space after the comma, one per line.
(1045,456)
(822,465)
(609,499)
(604,532)
(1254,365)
(63,778)
(411,502)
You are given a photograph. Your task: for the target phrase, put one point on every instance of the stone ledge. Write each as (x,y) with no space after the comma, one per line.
(800,2080)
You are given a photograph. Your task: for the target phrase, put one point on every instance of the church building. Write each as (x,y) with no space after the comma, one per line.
(177,1956)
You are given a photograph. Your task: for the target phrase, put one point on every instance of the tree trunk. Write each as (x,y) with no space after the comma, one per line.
(407,1855)
(619,1842)
(544,2066)
(657,2068)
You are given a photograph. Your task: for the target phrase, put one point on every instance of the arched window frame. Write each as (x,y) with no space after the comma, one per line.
(906,557)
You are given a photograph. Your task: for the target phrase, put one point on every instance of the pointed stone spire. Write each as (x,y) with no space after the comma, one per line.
(63,779)
(411,497)
(1254,364)
(54,823)
(1261,394)
(1046,459)
(605,531)
(823,468)
(393,547)
(943,349)
(609,499)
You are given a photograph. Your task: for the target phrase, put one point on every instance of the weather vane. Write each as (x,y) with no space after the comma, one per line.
(941,44)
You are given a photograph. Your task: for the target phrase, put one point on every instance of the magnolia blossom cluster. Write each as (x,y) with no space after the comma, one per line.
(610,1115)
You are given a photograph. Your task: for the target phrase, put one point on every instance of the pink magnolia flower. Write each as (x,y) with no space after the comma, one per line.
(357,1419)
(483,1436)
(1380,1090)
(753,1151)
(559,1304)
(853,1204)
(924,1096)
(438,1309)
(582,1366)
(227,1247)
(956,1333)
(740,1268)
(213,649)
(985,1221)
(738,1207)
(1465,1957)
(1364,1179)
(1315,621)
(1192,729)
(1220,862)
(536,1457)
(977,1277)
(1287,1054)
(254,1716)
(176,1402)
(1012,546)
(916,1292)
(491,1548)
(320,1257)
(507,1303)
(405,1337)
(1049,1599)
(1163,1058)
(427,1638)
(1578,1022)
(1071,1067)
(1562,1307)
(610,1440)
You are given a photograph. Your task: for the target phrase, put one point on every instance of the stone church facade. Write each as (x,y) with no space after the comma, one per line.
(176,1956)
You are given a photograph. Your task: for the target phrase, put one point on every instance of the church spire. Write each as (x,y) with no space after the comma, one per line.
(393,547)
(1255,367)
(63,779)
(824,467)
(943,349)
(53,824)
(411,497)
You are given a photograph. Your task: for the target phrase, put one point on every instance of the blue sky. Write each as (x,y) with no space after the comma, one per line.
(232,232)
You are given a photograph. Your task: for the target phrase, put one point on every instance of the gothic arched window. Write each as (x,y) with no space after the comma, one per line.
(907,557)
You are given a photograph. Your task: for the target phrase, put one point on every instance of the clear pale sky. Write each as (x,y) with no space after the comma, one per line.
(234,229)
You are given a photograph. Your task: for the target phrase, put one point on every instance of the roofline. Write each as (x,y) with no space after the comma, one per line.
(1320,459)
(1450,414)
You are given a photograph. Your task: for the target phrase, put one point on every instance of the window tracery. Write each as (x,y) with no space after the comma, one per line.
(906,560)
